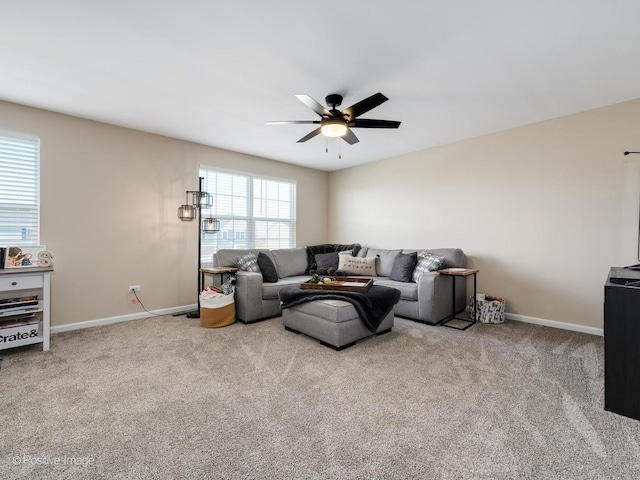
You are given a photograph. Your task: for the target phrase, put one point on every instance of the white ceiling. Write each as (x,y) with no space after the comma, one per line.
(214,72)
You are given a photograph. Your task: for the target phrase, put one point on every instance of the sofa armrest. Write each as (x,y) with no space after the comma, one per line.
(248,295)
(435,293)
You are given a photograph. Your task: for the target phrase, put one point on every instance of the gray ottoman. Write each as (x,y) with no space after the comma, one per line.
(335,323)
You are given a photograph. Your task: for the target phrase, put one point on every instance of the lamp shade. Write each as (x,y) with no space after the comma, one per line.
(202,199)
(333,128)
(210,225)
(187,212)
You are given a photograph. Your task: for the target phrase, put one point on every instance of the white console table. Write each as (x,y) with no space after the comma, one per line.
(18,283)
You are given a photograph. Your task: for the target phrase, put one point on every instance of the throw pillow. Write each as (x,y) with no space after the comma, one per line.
(403,267)
(268,269)
(326,261)
(357,266)
(314,250)
(248,262)
(427,263)
(337,272)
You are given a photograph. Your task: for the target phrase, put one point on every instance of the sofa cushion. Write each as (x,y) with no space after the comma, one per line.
(357,266)
(227,257)
(408,290)
(384,264)
(267,267)
(403,267)
(453,257)
(290,261)
(270,291)
(248,262)
(330,310)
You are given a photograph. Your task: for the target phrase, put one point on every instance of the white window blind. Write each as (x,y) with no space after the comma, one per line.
(254,211)
(19,190)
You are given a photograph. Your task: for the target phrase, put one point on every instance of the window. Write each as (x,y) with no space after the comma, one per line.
(254,211)
(19,190)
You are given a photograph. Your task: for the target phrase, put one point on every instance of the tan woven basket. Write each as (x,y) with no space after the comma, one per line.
(218,317)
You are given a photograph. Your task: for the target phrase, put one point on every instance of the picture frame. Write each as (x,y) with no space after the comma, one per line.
(23,256)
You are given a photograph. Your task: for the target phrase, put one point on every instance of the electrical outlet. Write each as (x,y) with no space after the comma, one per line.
(134,288)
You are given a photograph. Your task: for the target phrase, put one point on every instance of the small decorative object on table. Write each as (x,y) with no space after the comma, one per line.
(345,284)
(17,257)
(490,309)
(45,258)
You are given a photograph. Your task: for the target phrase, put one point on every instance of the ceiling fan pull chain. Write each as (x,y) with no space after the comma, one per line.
(339,150)
(326,144)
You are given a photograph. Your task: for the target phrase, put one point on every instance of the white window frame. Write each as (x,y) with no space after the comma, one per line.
(211,242)
(19,189)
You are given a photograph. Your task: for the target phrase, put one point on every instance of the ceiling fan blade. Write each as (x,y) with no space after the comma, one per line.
(364,106)
(350,137)
(309,135)
(370,123)
(313,105)
(293,122)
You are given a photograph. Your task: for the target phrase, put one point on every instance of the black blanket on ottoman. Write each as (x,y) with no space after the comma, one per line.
(372,306)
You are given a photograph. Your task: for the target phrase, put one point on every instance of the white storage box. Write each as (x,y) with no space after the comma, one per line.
(18,333)
(490,309)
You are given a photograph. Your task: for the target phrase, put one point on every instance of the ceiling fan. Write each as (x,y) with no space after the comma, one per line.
(336,123)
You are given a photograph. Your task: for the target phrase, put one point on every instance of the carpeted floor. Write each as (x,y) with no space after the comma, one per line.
(165,398)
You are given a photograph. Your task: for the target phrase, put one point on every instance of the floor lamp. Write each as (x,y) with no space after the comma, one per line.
(188,212)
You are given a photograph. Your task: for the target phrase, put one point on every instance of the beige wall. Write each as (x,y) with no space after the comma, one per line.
(543,210)
(110,198)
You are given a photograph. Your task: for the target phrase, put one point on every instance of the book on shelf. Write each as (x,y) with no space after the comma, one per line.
(19,321)
(18,302)
(17,311)
(3,251)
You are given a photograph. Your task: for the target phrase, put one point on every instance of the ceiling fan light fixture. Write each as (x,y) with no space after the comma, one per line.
(334,128)
(336,123)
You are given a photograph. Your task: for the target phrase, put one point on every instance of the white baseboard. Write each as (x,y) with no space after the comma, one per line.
(187,308)
(554,324)
(121,318)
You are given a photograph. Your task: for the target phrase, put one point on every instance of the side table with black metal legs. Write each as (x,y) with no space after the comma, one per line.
(460,272)
(222,271)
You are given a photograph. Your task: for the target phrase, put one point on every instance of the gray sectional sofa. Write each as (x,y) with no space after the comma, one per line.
(429,300)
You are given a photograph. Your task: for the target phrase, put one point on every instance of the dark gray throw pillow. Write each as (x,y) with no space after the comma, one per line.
(268,269)
(403,266)
(326,261)
(314,250)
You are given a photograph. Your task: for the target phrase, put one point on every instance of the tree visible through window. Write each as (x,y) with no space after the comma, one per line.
(19,190)
(254,211)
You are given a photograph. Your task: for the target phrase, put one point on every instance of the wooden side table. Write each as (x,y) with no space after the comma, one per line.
(222,271)
(460,272)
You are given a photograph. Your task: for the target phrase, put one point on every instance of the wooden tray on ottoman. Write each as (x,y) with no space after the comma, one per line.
(344,284)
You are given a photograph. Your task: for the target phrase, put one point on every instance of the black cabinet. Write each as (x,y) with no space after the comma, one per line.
(622,343)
